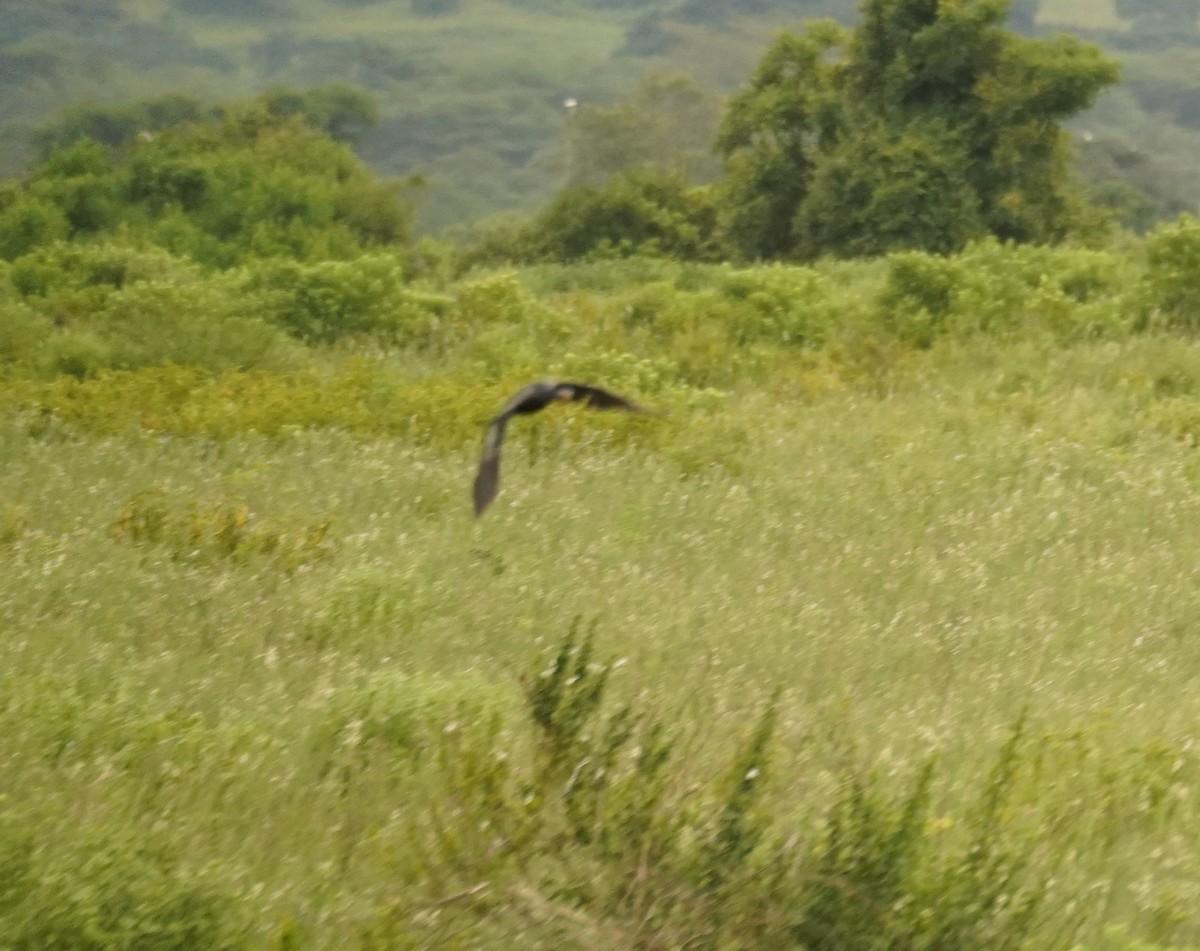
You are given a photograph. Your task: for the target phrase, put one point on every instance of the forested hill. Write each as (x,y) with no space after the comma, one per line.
(470,93)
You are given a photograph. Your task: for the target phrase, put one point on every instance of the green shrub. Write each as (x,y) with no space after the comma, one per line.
(220,189)
(72,266)
(796,306)
(1173,273)
(643,211)
(203,325)
(115,305)
(22,334)
(1068,293)
(29,223)
(99,891)
(367,297)
(719,866)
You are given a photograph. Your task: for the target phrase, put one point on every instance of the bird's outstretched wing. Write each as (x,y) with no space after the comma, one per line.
(598,398)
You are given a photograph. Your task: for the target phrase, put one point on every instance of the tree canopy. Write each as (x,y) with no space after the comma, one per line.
(257,178)
(926,126)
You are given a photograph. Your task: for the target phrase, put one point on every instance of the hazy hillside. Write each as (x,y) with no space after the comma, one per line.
(471,92)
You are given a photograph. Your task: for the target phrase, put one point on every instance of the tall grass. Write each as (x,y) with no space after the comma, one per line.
(325,739)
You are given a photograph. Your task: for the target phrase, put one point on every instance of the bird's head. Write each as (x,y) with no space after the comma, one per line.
(564,392)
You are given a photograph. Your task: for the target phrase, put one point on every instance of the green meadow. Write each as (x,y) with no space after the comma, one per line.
(879,636)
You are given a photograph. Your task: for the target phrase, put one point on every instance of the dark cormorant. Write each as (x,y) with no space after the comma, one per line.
(532,399)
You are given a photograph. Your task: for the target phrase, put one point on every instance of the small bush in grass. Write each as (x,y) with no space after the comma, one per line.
(220,530)
(95,891)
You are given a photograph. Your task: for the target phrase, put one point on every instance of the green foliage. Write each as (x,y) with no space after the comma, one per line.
(718,871)
(340,111)
(1173,272)
(257,180)
(116,306)
(1070,293)
(368,297)
(879,880)
(562,700)
(741,822)
(214,531)
(772,136)
(26,223)
(880,191)
(115,126)
(99,891)
(840,156)
(642,211)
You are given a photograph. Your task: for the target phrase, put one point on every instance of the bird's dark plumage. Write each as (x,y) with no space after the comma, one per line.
(531,399)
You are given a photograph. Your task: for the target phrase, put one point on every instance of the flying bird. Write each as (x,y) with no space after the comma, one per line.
(532,399)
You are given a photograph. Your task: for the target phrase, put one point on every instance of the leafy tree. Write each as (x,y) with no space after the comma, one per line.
(884,189)
(928,125)
(773,135)
(26,223)
(246,183)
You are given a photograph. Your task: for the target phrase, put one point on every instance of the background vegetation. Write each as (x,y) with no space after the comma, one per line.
(463,102)
(894,641)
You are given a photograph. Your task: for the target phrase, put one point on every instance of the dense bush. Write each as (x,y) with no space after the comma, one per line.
(258,179)
(108,305)
(369,297)
(1002,289)
(641,211)
(1173,273)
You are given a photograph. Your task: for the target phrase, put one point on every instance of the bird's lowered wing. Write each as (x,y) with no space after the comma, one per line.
(531,399)
(487,480)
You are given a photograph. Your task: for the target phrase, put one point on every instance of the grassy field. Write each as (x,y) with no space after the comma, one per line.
(284,679)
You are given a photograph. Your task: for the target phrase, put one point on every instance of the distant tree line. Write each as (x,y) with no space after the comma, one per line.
(927,126)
